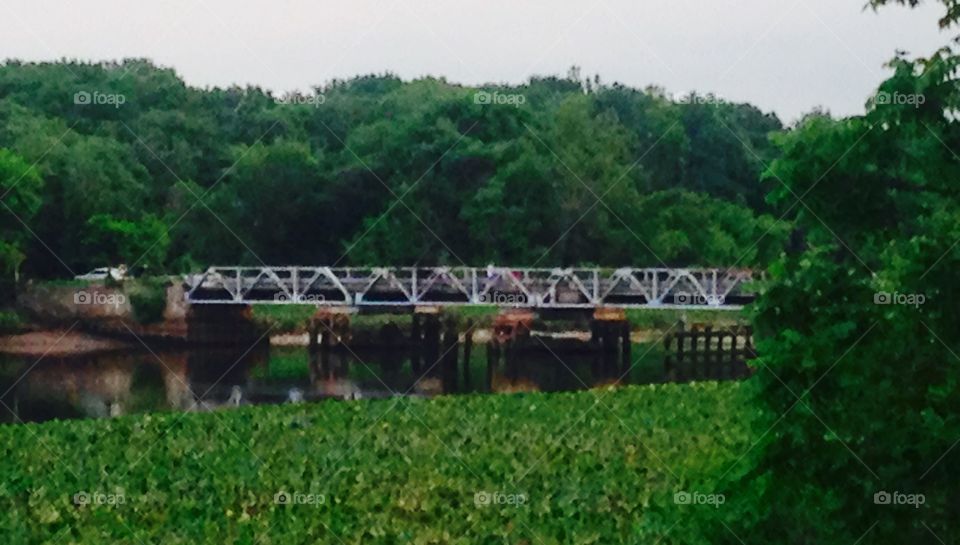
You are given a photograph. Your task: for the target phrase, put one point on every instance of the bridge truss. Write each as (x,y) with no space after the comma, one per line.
(500,286)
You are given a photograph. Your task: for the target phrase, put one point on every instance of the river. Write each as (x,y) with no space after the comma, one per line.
(151,379)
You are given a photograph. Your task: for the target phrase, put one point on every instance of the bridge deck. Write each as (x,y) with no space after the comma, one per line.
(500,286)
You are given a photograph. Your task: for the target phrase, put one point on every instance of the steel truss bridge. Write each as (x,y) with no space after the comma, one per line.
(558,288)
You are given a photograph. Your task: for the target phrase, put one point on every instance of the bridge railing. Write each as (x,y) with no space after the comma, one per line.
(500,286)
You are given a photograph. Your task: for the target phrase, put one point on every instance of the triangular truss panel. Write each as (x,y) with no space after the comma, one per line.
(558,288)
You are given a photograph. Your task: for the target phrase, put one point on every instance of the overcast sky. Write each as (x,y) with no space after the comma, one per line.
(786,56)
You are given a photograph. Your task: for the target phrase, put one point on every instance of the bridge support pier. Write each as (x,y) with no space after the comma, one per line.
(328,328)
(425,339)
(510,329)
(493,360)
(610,335)
(221,324)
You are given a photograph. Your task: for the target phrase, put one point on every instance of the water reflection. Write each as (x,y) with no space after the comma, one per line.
(119,383)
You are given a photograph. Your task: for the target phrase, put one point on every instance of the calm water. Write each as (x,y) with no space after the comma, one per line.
(118,383)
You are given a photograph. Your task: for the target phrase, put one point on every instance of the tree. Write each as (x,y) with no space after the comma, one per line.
(238,176)
(20,195)
(857,329)
(142,243)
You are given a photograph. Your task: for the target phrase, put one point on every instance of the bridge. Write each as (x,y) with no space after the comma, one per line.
(510,287)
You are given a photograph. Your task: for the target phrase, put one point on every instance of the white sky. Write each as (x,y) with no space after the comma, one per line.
(782,55)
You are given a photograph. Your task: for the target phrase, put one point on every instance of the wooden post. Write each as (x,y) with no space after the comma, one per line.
(493,357)
(681,363)
(415,341)
(625,348)
(709,369)
(325,339)
(431,343)
(510,357)
(669,366)
(451,340)
(467,349)
(312,329)
(730,355)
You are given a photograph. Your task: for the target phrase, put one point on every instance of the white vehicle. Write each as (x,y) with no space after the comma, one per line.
(101,273)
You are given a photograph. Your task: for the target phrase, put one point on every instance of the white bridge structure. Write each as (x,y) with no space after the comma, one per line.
(544,288)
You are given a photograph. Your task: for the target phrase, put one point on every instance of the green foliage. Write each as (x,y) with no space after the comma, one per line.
(143,242)
(868,394)
(682,228)
(950,18)
(148,297)
(664,319)
(10,322)
(594,467)
(383,172)
(20,193)
(283,363)
(283,318)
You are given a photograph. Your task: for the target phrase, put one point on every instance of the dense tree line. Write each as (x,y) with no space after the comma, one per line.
(131,165)
(857,329)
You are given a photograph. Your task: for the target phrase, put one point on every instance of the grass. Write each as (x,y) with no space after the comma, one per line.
(662,319)
(291,318)
(283,318)
(600,466)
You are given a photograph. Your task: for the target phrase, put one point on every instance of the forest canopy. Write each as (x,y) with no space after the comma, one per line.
(131,165)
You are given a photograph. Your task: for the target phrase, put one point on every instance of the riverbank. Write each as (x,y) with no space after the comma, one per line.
(49,310)
(58,342)
(287,324)
(599,466)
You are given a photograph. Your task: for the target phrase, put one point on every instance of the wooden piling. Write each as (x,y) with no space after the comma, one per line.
(625,350)
(467,349)
(415,341)
(493,360)
(450,344)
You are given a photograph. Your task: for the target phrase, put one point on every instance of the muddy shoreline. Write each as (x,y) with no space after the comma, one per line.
(59,342)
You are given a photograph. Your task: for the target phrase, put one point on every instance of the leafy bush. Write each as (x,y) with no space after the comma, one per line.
(10,322)
(283,318)
(857,329)
(148,297)
(589,467)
